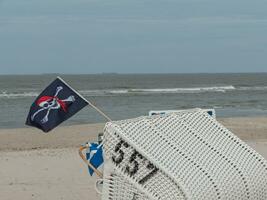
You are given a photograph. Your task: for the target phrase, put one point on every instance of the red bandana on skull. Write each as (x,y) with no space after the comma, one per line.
(44,99)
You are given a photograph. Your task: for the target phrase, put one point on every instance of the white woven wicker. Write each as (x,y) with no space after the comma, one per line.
(211,112)
(184,155)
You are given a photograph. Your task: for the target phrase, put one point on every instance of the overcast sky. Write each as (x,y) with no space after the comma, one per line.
(137,36)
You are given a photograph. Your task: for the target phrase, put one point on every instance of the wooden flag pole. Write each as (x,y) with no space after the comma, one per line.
(85,147)
(99,111)
(90,103)
(98,173)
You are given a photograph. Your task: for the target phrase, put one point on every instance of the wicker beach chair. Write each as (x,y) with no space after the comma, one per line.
(178,156)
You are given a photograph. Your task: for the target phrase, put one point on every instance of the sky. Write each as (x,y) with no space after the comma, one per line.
(137,36)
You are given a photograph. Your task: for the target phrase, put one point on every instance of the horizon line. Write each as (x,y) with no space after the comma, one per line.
(118,73)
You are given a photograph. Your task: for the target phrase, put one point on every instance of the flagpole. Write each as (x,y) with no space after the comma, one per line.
(90,103)
(84,147)
(99,111)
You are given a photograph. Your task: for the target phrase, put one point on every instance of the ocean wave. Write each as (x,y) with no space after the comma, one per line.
(254,88)
(185,90)
(115,92)
(17,95)
(158,90)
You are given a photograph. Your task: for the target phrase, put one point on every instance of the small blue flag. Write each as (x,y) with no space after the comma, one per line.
(95,156)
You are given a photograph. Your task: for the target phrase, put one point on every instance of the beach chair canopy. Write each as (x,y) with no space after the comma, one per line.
(211,112)
(182,155)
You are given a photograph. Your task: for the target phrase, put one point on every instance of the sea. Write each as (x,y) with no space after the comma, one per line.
(123,96)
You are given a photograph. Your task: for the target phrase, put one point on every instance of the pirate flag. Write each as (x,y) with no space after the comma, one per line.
(55,104)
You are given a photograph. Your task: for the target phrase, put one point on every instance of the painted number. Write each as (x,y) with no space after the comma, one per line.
(149,175)
(133,165)
(117,159)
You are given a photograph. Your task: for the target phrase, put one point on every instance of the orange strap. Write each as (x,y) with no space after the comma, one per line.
(98,173)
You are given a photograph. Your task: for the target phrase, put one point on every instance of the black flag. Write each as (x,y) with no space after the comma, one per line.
(55,104)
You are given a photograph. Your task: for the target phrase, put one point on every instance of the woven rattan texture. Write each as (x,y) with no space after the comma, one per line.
(185,155)
(116,186)
(166,188)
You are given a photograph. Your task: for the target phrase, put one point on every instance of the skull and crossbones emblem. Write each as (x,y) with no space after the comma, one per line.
(49,103)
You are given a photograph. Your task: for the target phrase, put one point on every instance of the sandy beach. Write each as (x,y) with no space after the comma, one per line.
(34,165)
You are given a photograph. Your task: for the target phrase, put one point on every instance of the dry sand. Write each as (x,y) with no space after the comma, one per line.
(46,174)
(47,166)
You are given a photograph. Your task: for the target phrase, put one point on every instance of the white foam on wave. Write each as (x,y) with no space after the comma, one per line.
(114,92)
(158,90)
(17,95)
(184,90)
(129,91)
(254,88)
